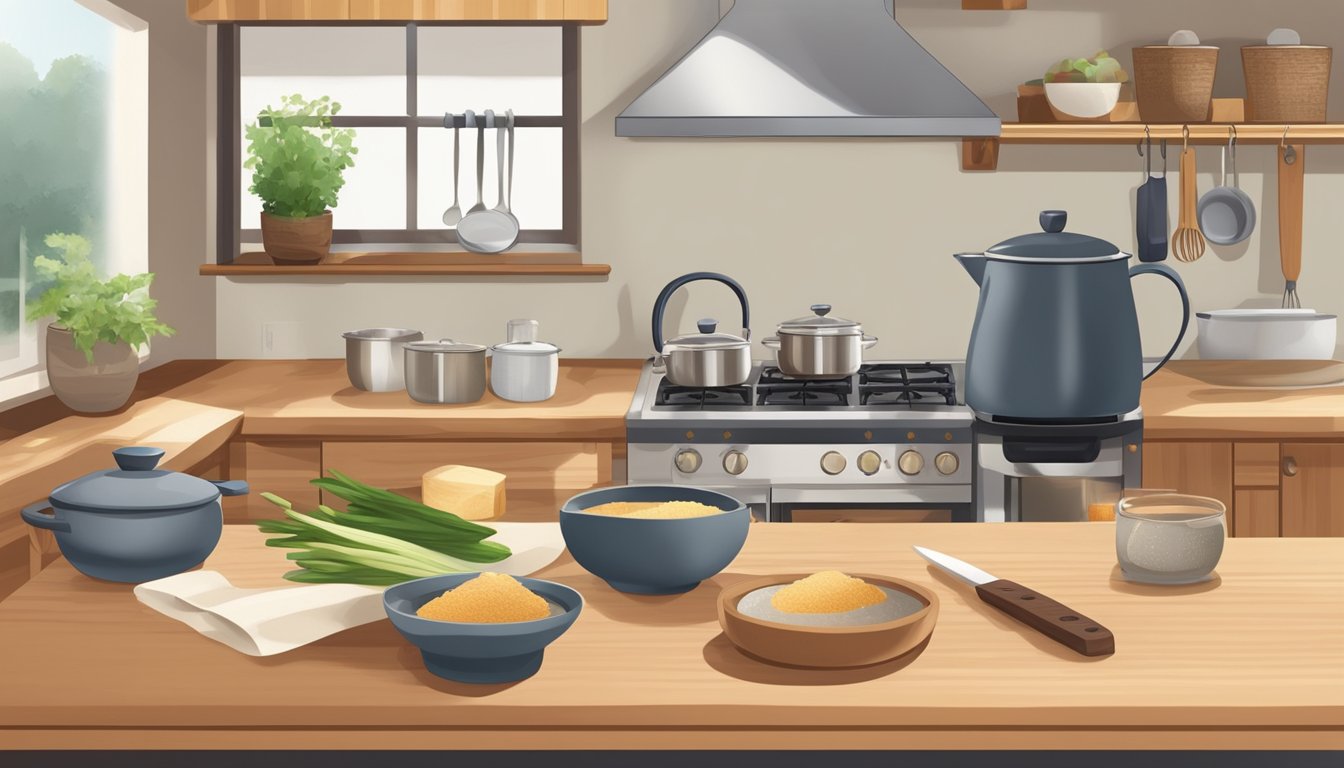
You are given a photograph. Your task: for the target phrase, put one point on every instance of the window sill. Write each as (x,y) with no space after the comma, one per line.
(545,262)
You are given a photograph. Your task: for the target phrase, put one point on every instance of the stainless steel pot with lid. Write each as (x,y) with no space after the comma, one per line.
(445,371)
(708,358)
(818,346)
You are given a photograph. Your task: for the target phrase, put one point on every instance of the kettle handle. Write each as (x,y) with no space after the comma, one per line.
(660,305)
(1170,274)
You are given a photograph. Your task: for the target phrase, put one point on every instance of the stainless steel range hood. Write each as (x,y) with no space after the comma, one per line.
(807,68)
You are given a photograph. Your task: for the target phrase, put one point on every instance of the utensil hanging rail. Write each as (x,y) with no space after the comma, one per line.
(401,121)
(977,153)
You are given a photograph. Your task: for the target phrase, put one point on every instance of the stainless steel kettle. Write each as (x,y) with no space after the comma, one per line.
(1056,335)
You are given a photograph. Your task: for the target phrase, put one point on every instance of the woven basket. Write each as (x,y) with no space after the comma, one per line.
(1286,83)
(1174,83)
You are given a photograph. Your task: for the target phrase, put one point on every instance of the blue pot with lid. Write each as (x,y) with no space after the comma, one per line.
(1056,334)
(135,523)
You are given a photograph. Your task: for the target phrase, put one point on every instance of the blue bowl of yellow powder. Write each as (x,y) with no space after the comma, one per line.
(475,652)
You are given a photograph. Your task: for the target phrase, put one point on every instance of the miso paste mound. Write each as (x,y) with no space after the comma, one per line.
(826,592)
(491,598)
(654,510)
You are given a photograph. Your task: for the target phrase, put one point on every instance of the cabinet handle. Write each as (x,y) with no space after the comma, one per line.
(1289,466)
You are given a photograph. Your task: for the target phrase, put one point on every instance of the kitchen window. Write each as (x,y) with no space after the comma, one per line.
(73,154)
(394,84)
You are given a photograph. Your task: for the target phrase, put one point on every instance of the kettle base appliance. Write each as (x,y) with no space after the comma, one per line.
(1043,471)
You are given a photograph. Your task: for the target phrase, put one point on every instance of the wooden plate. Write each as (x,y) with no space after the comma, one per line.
(803,646)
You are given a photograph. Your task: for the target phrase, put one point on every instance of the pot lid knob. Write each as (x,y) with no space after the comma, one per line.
(821,309)
(1053,221)
(707,325)
(137,458)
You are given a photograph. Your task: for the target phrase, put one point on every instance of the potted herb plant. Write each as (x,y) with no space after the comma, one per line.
(298,162)
(92,347)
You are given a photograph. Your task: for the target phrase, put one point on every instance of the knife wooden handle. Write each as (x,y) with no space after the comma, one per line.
(1052,619)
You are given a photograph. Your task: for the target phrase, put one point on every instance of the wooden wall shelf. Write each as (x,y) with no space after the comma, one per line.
(351,264)
(993,5)
(982,154)
(554,11)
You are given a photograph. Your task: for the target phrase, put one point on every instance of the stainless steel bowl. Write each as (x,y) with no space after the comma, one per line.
(373,358)
(445,371)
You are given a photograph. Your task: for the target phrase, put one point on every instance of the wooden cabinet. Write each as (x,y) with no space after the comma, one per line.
(218,11)
(1200,468)
(1270,488)
(541,475)
(282,467)
(1313,489)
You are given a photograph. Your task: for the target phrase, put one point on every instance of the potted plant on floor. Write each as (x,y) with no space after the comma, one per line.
(298,162)
(92,347)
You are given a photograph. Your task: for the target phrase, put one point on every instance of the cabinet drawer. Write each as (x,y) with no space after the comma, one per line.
(1256,464)
(1203,469)
(1256,514)
(276,466)
(540,476)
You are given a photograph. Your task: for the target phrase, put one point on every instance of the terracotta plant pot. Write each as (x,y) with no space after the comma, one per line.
(98,387)
(296,241)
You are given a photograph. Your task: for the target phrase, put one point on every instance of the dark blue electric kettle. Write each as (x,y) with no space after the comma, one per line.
(1056,336)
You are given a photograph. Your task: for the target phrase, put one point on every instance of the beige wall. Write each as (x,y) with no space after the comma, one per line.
(178,159)
(868,226)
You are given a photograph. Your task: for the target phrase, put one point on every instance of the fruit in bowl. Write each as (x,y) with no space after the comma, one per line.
(1084,89)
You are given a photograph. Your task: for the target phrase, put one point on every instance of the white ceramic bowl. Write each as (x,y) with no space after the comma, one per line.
(1083,100)
(1266,334)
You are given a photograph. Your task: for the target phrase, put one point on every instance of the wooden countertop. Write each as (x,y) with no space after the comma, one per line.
(1254,659)
(1179,403)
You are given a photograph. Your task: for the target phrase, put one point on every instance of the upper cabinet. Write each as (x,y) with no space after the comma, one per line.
(223,11)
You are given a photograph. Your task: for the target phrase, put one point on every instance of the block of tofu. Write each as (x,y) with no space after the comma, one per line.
(471,493)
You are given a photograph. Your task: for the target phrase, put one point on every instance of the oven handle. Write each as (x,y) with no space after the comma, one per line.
(820,494)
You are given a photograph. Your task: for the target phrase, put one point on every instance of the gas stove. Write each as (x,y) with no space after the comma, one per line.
(896,435)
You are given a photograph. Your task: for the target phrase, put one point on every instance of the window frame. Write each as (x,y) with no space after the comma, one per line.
(228,158)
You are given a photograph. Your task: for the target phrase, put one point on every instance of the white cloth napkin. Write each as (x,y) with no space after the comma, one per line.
(264,622)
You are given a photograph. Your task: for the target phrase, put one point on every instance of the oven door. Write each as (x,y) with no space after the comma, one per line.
(887,504)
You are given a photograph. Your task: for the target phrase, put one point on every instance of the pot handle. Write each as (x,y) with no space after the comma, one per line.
(660,305)
(771,342)
(869,342)
(230,487)
(32,515)
(1170,274)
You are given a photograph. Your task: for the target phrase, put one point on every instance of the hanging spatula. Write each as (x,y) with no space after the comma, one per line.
(1292,159)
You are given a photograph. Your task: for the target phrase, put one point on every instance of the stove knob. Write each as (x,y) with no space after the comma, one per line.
(946,462)
(870,462)
(911,463)
(687,460)
(735,462)
(832,463)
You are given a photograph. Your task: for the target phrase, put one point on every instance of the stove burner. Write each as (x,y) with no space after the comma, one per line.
(908,385)
(702,398)
(774,388)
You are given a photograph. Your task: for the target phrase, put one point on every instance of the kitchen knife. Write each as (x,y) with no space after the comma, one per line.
(1054,620)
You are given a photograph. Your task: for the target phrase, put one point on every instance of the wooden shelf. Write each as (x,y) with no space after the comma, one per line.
(554,11)
(563,263)
(981,154)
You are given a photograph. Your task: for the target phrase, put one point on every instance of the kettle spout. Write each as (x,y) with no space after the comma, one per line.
(974,263)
